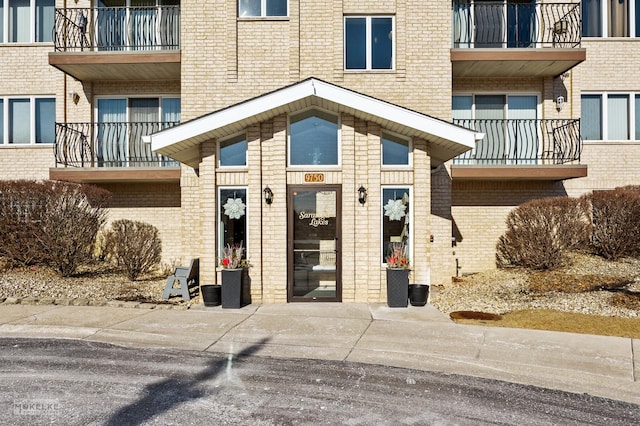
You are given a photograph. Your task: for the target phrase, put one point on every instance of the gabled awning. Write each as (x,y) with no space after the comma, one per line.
(181,142)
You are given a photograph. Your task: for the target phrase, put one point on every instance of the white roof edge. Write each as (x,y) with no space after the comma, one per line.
(313,87)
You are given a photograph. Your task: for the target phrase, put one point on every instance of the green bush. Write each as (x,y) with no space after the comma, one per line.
(615,214)
(134,246)
(50,223)
(541,232)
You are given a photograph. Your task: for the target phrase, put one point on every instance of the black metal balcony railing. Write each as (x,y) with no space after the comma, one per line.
(108,145)
(511,25)
(522,141)
(117,28)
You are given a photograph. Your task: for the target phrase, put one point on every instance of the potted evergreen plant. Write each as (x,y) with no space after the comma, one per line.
(398,269)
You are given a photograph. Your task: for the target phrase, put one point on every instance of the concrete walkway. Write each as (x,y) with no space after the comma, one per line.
(416,337)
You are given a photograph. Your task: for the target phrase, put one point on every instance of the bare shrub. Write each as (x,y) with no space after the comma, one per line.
(49,222)
(134,246)
(615,214)
(541,232)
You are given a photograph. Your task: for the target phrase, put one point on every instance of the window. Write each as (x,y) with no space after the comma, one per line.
(369,43)
(509,122)
(121,124)
(313,139)
(233,152)
(232,217)
(610,116)
(262,8)
(611,18)
(26,21)
(27,120)
(396,213)
(395,150)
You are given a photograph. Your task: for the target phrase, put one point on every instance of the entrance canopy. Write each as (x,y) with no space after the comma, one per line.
(181,142)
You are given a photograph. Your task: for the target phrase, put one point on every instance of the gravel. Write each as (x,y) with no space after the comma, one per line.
(500,291)
(496,291)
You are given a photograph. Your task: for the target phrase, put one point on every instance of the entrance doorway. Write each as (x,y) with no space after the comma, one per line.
(314,243)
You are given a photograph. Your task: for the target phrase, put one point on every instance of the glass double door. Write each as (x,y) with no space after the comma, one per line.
(314,243)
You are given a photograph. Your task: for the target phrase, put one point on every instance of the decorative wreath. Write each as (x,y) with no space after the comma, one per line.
(395,210)
(234,208)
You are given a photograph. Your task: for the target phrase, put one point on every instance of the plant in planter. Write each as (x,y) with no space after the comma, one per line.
(234,266)
(398,268)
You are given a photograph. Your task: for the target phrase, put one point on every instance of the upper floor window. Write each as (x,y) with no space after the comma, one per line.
(610,116)
(26,21)
(27,120)
(233,152)
(262,8)
(611,18)
(395,150)
(368,42)
(313,139)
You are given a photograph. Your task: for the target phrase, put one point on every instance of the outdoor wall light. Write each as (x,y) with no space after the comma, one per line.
(559,103)
(268,195)
(362,194)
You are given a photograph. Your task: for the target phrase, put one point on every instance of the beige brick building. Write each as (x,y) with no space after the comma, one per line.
(359,117)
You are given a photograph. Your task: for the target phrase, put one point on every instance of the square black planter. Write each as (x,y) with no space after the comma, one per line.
(232,288)
(397,288)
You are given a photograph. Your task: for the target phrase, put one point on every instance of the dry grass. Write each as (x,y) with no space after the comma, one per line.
(523,298)
(544,319)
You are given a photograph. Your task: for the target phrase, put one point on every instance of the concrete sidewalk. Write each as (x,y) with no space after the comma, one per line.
(416,337)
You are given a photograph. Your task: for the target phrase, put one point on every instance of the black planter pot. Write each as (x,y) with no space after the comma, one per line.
(211,294)
(418,294)
(232,288)
(397,288)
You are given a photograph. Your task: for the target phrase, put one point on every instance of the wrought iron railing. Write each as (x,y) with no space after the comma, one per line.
(522,141)
(117,28)
(480,24)
(108,145)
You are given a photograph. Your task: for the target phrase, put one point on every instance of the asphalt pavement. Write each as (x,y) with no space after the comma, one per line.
(419,338)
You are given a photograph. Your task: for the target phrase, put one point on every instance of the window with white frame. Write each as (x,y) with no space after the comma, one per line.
(395,150)
(611,18)
(232,217)
(26,21)
(122,122)
(369,42)
(610,116)
(262,8)
(313,139)
(233,152)
(27,120)
(396,213)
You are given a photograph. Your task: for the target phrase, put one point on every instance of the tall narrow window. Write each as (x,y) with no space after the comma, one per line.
(313,139)
(618,18)
(618,117)
(368,43)
(637,117)
(45,10)
(592,18)
(19,21)
(396,213)
(45,120)
(19,121)
(591,120)
(232,217)
(1,23)
(1,121)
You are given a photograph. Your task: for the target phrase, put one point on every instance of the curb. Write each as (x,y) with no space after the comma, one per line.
(90,302)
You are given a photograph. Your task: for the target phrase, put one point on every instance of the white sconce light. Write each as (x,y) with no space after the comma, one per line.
(559,103)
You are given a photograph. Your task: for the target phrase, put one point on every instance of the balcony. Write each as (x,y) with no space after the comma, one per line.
(110,152)
(503,39)
(117,43)
(521,149)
